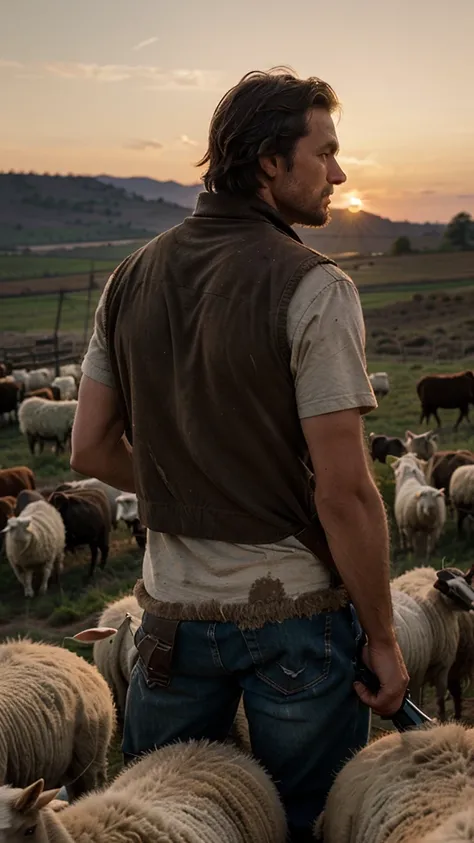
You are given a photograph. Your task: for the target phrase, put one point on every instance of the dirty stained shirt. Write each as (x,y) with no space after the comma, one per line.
(326,334)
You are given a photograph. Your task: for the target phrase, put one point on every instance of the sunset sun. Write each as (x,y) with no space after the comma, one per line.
(355,204)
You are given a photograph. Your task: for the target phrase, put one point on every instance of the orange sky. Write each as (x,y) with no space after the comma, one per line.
(104,86)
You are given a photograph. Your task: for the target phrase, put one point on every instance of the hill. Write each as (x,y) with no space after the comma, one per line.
(170,191)
(38,209)
(47,209)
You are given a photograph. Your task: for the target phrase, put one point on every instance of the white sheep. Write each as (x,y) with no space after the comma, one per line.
(195,792)
(418,582)
(56,719)
(127,507)
(415,639)
(39,377)
(420,510)
(35,541)
(443,616)
(46,421)
(423,445)
(461,493)
(67,387)
(380,384)
(73,369)
(114,649)
(21,376)
(415,787)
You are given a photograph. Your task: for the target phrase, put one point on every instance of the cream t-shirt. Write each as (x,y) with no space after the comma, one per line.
(326,334)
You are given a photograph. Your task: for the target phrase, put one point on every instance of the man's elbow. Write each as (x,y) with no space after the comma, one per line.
(84,461)
(337,498)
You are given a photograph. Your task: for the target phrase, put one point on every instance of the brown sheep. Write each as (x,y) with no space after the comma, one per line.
(449,392)
(86,516)
(7,506)
(13,480)
(442,465)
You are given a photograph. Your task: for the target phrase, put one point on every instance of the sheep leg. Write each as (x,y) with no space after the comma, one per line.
(104,552)
(463,411)
(47,570)
(441,688)
(31,443)
(94,554)
(454,688)
(461,517)
(28,583)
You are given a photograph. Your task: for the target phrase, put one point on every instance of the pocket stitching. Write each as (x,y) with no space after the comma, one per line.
(313,683)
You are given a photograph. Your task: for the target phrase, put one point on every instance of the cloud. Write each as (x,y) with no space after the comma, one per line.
(156,77)
(141,144)
(146,43)
(352,161)
(188,141)
(13,65)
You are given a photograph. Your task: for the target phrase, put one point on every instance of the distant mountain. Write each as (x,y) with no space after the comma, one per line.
(46,209)
(170,191)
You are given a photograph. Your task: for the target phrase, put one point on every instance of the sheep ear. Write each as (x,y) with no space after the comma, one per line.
(46,798)
(29,796)
(371,436)
(441,492)
(417,494)
(409,434)
(97,633)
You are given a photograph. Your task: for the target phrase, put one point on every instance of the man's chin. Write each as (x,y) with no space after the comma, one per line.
(315,220)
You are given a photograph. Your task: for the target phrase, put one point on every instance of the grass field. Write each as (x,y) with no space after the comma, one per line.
(38,313)
(55,617)
(417,268)
(18,267)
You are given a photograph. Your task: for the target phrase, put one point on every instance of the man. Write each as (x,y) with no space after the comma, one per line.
(232,357)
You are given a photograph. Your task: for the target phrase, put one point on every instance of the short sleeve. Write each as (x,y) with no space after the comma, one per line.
(326,333)
(95,364)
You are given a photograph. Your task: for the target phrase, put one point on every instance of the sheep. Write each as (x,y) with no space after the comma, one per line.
(415,787)
(13,480)
(420,510)
(380,384)
(72,369)
(46,421)
(25,497)
(461,493)
(454,391)
(56,718)
(441,466)
(39,377)
(35,542)
(7,509)
(92,483)
(9,397)
(383,446)
(114,650)
(196,791)
(447,622)
(67,387)
(86,517)
(127,511)
(423,445)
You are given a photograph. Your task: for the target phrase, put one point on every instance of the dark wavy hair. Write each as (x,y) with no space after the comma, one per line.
(266,113)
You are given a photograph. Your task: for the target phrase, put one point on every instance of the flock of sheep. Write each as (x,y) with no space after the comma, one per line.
(413,787)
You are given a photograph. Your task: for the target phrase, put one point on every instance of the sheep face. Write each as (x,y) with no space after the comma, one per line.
(127,508)
(20,812)
(407,466)
(423,445)
(20,528)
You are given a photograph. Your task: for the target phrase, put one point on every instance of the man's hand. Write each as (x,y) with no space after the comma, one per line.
(388,665)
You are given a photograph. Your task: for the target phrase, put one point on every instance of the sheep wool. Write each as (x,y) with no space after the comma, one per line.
(415,639)
(415,787)
(420,510)
(195,792)
(35,541)
(56,718)
(67,386)
(461,492)
(442,615)
(40,419)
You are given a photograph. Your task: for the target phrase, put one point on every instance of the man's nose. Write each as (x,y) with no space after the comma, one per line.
(336,174)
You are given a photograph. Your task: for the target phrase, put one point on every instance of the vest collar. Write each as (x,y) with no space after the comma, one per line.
(232,207)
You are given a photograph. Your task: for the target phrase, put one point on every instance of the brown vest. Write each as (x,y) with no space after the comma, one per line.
(196,326)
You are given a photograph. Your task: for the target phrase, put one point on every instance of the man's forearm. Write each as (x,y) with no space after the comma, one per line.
(357,532)
(112,463)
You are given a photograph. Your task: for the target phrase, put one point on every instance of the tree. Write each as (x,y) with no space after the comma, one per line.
(459,232)
(401,246)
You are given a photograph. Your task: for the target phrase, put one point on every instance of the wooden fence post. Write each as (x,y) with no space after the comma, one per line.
(56,329)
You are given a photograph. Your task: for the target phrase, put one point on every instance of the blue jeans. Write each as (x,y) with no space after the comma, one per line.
(305,719)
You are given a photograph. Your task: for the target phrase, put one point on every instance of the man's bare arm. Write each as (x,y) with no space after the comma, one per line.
(99,448)
(352,513)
